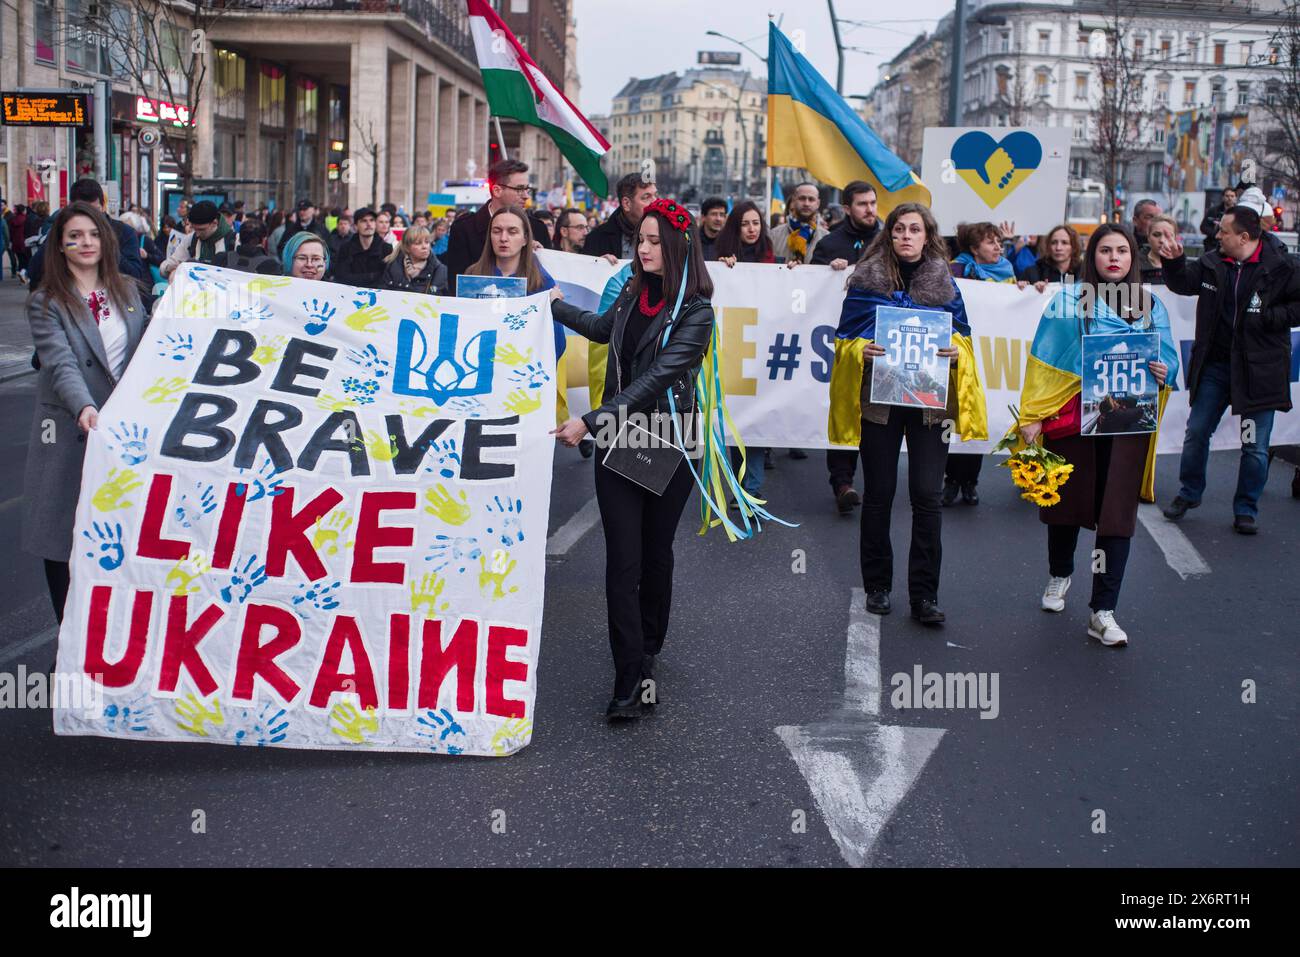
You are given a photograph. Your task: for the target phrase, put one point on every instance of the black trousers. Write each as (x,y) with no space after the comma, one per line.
(1106,581)
(639,531)
(926,454)
(842,464)
(963,468)
(57,577)
(1063,539)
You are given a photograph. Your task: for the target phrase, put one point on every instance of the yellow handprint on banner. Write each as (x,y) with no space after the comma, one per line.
(331,404)
(327,531)
(269,351)
(509,355)
(165,390)
(427,594)
(183,574)
(493,578)
(378,448)
(512,736)
(109,496)
(353,725)
(445,507)
(197,714)
(521,403)
(417,411)
(363,319)
(199,305)
(261,284)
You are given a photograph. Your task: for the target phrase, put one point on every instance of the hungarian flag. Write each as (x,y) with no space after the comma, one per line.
(516,87)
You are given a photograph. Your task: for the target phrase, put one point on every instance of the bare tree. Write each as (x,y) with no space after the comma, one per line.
(371,145)
(1017,91)
(1122,123)
(1275,142)
(162,46)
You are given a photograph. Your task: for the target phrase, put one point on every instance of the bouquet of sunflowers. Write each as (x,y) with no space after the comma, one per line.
(1038,473)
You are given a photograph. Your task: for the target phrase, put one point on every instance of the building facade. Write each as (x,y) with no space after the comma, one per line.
(343,102)
(1033,64)
(704,130)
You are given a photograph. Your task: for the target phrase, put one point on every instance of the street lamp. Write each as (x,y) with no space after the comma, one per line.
(715,33)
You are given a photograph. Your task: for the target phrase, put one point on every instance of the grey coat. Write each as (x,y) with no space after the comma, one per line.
(74,374)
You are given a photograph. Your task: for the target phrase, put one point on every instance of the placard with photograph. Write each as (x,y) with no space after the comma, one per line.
(911,372)
(491,287)
(1119,391)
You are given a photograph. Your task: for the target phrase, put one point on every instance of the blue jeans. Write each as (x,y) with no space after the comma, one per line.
(1213,396)
(754,468)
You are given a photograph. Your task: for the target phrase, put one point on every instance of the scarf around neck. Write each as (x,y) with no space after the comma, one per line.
(999,271)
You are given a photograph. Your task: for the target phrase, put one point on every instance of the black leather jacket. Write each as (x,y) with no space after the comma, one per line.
(655,367)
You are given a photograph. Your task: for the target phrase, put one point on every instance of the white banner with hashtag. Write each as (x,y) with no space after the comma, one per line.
(777,332)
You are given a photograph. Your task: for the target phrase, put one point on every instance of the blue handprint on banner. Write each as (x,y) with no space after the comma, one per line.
(320,312)
(243,581)
(515,320)
(315,596)
(269,727)
(531,375)
(446,375)
(445,456)
(177,347)
(370,360)
(264,482)
(131,440)
(510,529)
(190,509)
(204,276)
(134,716)
(443,729)
(251,316)
(452,550)
(107,540)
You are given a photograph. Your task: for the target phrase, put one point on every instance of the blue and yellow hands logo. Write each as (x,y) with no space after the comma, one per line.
(994,169)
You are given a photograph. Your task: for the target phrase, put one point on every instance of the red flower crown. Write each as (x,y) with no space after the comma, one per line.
(677,216)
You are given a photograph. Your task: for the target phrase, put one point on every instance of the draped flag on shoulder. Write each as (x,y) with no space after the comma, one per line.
(517,88)
(811,127)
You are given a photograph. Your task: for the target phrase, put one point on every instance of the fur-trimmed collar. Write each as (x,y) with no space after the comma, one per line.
(931,286)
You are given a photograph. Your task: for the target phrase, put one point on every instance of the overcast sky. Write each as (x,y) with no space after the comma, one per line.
(619,39)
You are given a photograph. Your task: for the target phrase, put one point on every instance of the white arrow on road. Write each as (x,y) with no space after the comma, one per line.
(858,769)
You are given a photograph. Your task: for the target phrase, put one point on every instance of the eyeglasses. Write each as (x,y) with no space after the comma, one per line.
(304,261)
(583,227)
(520,190)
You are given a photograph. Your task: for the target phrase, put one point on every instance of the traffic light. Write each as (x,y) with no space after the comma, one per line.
(1277,218)
(494,152)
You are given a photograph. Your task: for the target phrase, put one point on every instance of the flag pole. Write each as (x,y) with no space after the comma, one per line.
(501,139)
(769,194)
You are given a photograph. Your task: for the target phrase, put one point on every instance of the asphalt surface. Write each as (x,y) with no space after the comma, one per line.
(1155,735)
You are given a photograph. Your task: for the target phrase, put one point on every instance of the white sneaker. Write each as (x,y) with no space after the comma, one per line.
(1054,595)
(1103,627)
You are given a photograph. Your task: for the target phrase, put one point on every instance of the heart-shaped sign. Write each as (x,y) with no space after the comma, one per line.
(994,169)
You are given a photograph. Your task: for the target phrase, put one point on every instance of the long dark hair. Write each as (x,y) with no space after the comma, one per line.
(678,248)
(1076,248)
(487,262)
(1119,295)
(883,244)
(57,281)
(729,242)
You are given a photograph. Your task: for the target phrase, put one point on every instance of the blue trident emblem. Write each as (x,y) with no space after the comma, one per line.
(445,375)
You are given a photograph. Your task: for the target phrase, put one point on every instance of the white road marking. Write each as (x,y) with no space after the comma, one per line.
(35,641)
(862,657)
(568,534)
(857,769)
(1180,554)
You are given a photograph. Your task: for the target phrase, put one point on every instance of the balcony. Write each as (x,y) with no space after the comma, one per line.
(444,20)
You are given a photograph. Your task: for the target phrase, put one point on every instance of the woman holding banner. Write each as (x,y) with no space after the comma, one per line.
(658,329)
(905,266)
(87,320)
(304,255)
(1111,472)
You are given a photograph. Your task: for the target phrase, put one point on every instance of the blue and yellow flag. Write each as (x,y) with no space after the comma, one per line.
(811,127)
(778,198)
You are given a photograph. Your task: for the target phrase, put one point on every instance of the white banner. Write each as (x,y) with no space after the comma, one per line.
(996,174)
(778,341)
(314,516)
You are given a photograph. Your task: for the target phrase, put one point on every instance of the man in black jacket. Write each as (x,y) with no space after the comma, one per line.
(1248,300)
(251,255)
(843,246)
(1210,224)
(713,216)
(615,238)
(305,219)
(360,259)
(129,262)
(841,249)
(507,186)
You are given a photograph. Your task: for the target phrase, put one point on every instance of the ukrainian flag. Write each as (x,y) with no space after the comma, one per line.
(811,127)
(778,197)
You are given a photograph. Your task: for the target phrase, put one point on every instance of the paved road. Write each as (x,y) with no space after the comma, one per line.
(1154,735)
